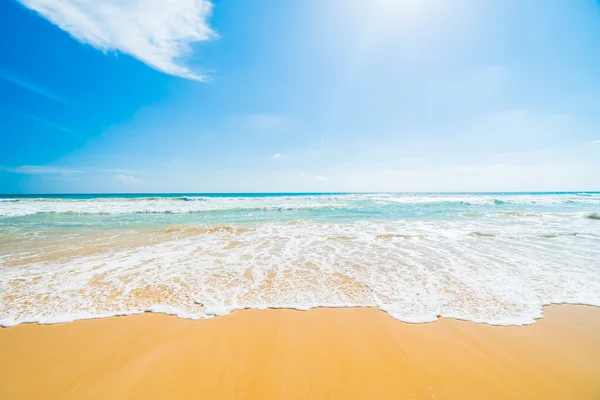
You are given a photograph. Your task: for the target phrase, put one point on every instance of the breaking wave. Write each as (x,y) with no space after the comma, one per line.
(416,257)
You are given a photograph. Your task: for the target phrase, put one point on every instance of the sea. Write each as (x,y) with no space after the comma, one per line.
(494,258)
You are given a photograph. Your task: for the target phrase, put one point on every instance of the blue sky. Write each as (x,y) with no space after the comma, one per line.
(299,95)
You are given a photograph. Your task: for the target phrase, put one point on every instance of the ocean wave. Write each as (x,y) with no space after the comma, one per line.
(413,270)
(481,234)
(522,214)
(363,202)
(204,229)
(221,210)
(188,198)
(555,235)
(593,216)
(465,198)
(390,236)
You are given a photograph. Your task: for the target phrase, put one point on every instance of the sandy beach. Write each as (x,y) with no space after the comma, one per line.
(326,199)
(321,353)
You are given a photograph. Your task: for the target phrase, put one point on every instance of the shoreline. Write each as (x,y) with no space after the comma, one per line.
(318,353)
(166,312)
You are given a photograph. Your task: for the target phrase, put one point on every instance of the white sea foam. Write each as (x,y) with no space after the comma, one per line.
(498,269)
(196,204)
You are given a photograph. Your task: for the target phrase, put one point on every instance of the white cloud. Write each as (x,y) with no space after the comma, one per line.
(48,124)
(276,156)
(40,170)
(594,142)
(15,80)
(123,171)
(156,32)
(322,178)
(127,179)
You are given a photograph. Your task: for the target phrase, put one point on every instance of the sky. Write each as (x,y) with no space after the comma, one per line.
(299,95)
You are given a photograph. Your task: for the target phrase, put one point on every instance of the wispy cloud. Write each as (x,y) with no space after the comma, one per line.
(322,178)
(127,179)
(156,32)
(123,175)
(40,170)
(276,156)
(594,142)
(48,124)
(15,80)
(124,171)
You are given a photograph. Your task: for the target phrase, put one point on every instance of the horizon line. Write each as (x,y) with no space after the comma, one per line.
(297,193)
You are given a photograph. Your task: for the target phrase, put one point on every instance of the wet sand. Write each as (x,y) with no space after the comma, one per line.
(357,353)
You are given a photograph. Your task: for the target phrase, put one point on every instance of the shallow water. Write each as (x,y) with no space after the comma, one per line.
(491,257)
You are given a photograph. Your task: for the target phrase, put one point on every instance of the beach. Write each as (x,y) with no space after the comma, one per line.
(363,199)
(493,258)
(295,296)
(287,354)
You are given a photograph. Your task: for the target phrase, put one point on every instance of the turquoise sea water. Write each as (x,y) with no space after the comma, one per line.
(486,257)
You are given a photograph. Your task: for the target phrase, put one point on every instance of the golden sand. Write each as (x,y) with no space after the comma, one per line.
(284,354)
